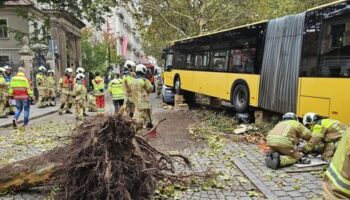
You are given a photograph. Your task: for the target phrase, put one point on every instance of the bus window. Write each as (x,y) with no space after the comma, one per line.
(326,46)
(242,60)
(219,61)
(189,61)
(169,62)
(198,61)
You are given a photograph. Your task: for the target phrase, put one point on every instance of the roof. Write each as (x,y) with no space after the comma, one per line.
(255,23)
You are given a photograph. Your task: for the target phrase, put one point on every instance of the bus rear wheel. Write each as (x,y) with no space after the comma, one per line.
(240,98)
(177,85)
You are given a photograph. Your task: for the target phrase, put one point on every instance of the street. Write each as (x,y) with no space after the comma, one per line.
(240,165)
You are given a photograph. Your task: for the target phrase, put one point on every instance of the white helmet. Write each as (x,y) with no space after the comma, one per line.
(141,68)
(42,69)
(128,65)
(310,118)
(290,115)
(7,67)
(80,70)
(50,71)
(80,76)
(2,71)
(68,71)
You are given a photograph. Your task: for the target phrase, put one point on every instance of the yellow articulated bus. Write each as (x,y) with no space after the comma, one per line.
(297,63)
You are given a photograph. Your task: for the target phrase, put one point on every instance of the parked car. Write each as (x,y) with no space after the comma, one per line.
(168,94)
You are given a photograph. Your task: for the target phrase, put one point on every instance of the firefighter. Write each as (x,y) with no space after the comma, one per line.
(283,140)
(66,84)
(140,88)
(129,105)
(336,181)
(91,102)
(99,85)
(42,86)
(115,88)
(326,134)
(81,70)
(21,91)
(9,107)
(79,94)
(3,93)
(51,84)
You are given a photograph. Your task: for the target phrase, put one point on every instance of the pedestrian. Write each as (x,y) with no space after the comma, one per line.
(326,134)
(141,87)
(3,93)
(20,90)
(336,180)
(283,140)
(98,85)
(79,94)
(115,88)
(66,84)
(51,84)
(10,106)
(41,85)
(127,78)
(159,81)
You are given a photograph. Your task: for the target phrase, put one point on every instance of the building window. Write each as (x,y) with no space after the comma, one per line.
(4,59)
(3,28)
(337,32)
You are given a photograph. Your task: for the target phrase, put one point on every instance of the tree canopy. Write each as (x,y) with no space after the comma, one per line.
(162,21)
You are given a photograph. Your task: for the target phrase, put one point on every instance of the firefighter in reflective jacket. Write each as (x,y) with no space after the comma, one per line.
(140,88)
(336,182)
(79,94)
(51,85)
(127,78)
(115,88)
(326,134)
(66,84)
(3,93)
(99,85)
(41,85)
(283,140)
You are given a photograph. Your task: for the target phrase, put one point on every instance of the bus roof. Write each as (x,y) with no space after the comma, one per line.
(242,26)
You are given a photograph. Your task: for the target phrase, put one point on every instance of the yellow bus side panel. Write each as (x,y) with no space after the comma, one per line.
(214,84)
(315,92)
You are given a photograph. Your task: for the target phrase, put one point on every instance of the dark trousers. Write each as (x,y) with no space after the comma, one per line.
(117,104)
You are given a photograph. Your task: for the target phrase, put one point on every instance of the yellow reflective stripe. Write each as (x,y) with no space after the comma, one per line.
(307,147)
(338,180)
(304,132)
(286,131)
(317,131)
(277,139)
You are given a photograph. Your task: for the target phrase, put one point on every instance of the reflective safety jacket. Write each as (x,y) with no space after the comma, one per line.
(66,84)
(115,87)
(20,87)
(127,78)
(339,170)
(41,81)
(141,87)
(99,84)
(3,87)
(325,130)
(287,133)
(79,91)
(51,83)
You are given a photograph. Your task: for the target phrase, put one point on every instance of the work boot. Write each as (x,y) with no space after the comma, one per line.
(68,112)
(304,161)
(11,113)
(85,114)
(268,160)
(14,123)
(276,160)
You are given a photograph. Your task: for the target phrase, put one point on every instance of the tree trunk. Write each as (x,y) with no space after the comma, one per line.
(33,171)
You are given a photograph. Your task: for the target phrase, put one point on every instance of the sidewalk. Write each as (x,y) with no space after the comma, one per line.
(35,112)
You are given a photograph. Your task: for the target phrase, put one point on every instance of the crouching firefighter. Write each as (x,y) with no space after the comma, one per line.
(283,140)
(325,137)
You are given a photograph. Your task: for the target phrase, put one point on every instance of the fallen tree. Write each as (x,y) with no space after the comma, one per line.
(104,160)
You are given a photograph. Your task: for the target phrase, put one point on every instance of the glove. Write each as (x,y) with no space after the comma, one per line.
(304,161)
(149,125)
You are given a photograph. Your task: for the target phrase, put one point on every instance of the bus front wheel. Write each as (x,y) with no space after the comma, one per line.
(240,98)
